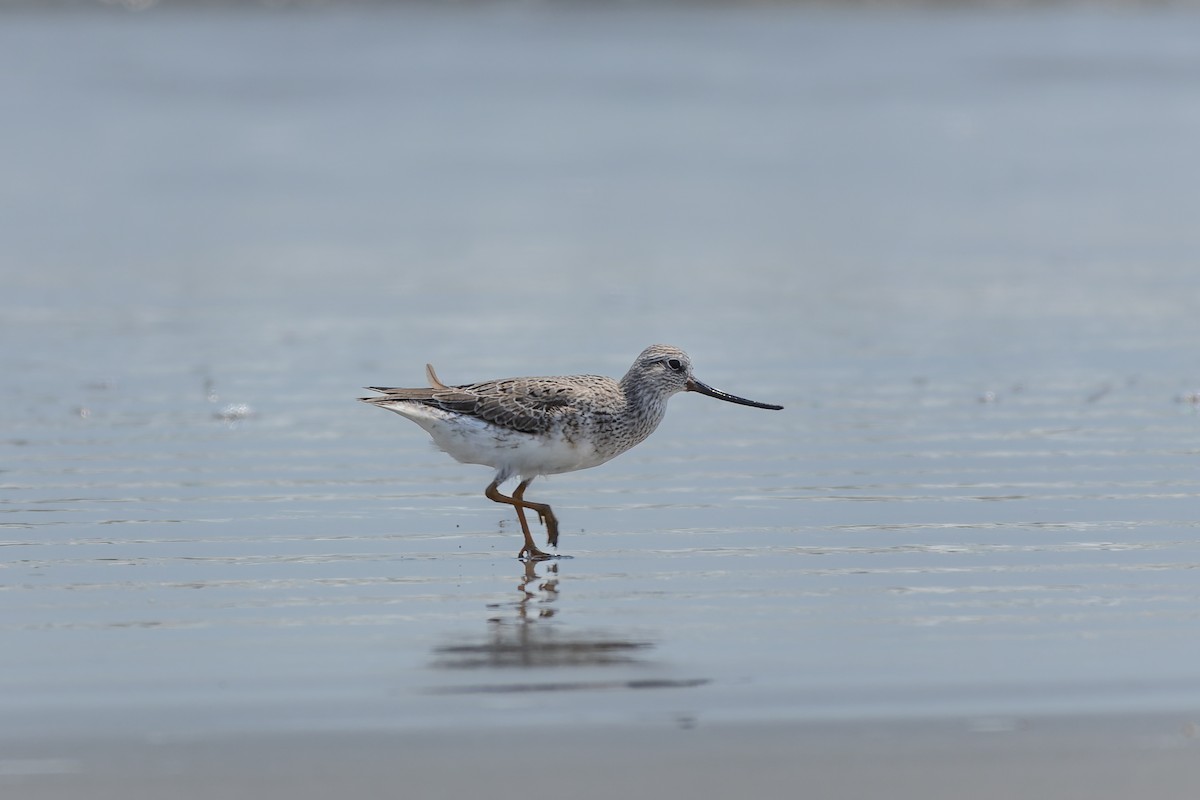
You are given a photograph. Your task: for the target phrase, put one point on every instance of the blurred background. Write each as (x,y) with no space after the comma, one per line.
(957,241)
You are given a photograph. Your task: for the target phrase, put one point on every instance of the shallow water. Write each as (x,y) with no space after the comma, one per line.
(958,247)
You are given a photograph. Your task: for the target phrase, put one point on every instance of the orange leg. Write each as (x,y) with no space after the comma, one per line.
(544,513)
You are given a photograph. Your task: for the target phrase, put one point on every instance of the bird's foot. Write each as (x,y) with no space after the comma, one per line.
(551,522)
(533,554)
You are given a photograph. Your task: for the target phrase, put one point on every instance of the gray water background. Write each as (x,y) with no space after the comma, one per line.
(960,246)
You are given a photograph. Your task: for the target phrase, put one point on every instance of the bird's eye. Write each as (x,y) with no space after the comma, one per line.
(675,364)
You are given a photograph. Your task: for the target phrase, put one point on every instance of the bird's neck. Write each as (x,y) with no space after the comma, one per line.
(643,405)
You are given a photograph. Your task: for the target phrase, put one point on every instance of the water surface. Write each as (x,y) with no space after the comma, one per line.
(958,247)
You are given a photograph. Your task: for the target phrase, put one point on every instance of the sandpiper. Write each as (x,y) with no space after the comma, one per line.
(526,427)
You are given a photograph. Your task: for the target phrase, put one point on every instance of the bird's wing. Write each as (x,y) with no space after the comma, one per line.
(432,377)
(524,404)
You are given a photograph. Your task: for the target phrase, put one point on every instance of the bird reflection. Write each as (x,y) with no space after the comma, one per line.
(520,633)
(541,596)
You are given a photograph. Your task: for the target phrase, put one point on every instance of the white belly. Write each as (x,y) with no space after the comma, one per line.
(473,441)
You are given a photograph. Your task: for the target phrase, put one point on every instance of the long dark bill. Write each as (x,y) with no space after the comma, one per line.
(694,385)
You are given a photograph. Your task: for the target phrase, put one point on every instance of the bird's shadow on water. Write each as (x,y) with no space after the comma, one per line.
(526,634)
